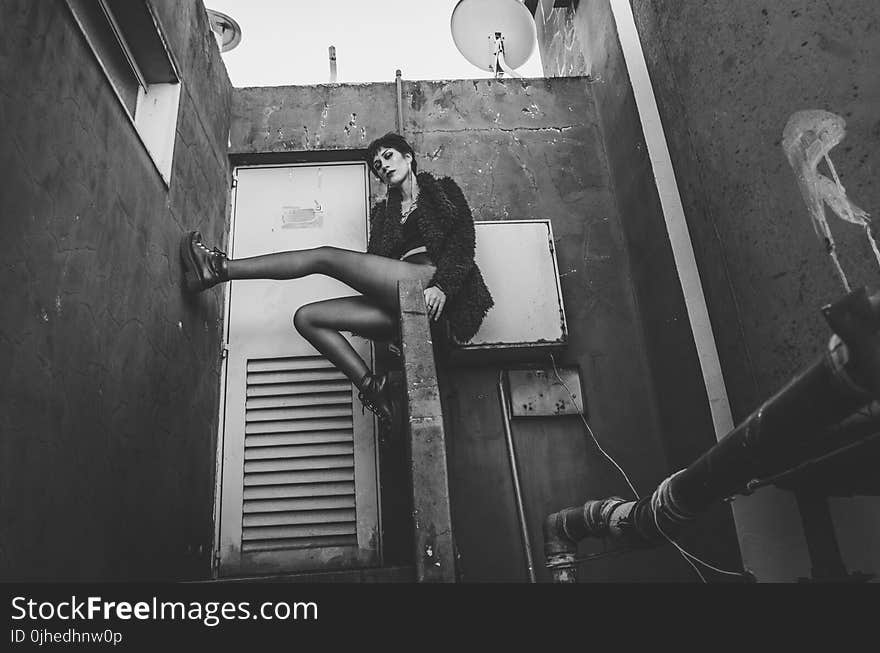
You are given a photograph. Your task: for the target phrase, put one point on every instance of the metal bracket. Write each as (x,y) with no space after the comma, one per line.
(855,319)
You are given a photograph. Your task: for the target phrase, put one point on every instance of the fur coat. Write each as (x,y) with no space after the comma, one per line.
(447,227)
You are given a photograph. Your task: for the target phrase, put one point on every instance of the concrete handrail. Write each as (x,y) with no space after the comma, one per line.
(432,519)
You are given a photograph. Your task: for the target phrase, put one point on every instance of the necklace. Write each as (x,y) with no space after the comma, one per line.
(405,214)
(414,194)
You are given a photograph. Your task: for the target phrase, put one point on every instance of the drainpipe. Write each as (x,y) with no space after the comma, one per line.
(842,380)
(514,472)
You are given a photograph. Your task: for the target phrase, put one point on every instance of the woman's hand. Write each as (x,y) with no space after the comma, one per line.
(435,300)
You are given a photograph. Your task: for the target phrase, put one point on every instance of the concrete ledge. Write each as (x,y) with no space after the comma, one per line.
(432,520)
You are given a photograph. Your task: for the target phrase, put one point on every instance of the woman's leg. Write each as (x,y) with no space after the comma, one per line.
(376,277)
(321,322)
(371,275)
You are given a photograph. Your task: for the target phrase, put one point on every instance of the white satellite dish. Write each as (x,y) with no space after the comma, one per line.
(226,30)
(494,35)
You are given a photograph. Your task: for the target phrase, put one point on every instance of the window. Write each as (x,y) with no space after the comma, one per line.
(127,41)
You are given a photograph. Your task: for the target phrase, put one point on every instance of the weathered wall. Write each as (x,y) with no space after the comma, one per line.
(585,42)
(727,78)
(109,373)
(725,99)
(520,150)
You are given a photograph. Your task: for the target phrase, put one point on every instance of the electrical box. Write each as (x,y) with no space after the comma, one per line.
(518,262)
(549,392)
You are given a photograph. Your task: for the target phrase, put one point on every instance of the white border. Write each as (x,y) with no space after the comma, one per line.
(673,213)
(168,106)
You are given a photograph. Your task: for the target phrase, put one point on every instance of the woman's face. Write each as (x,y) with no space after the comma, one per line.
(391,166)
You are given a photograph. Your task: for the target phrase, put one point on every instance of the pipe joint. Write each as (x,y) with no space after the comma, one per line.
(564,529)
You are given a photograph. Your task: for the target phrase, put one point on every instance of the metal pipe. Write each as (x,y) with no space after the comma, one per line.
(511,454)
(810,403)
(399,82)
(771,439)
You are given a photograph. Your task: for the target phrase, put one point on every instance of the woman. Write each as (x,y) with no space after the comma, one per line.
(422,230)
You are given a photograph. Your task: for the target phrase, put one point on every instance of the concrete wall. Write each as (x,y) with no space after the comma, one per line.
(108,371)
(727,76)
(585,42)
(520,150)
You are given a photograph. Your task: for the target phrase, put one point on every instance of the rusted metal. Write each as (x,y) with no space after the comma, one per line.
(541,393)
(559,550)
(432,517)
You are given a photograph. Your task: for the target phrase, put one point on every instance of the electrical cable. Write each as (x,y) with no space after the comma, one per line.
(686,555)
(655,507)
(590,431)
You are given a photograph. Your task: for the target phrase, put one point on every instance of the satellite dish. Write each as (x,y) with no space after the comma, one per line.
(494,35)
(225,28)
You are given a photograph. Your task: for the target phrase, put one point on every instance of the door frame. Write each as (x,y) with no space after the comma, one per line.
(268,160)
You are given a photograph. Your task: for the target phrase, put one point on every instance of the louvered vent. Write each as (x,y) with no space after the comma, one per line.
(299,456)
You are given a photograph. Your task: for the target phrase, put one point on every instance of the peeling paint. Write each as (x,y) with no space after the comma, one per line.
(352,123)
(532,110)
(436,153)
(305,138)
(808,138)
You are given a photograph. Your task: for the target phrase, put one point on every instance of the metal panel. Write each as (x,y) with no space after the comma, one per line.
(300,486)
(518,261)
(543,392)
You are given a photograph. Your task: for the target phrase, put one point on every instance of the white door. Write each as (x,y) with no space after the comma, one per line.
(299,486)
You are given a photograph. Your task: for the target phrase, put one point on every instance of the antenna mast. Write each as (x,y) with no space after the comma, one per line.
(332,64)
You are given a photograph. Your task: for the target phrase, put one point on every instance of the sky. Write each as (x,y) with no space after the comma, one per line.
(286,42)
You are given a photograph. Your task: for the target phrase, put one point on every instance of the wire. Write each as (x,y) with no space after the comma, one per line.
(688,557)
(590,431)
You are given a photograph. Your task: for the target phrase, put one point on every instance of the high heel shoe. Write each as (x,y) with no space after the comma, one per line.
(203,267)
(374,395)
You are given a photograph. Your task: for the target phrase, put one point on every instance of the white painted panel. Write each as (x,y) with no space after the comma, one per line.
(518,262)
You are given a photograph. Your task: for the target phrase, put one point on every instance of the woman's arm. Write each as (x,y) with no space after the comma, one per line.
(457,258)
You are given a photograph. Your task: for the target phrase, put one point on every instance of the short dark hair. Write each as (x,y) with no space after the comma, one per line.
(394,142)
